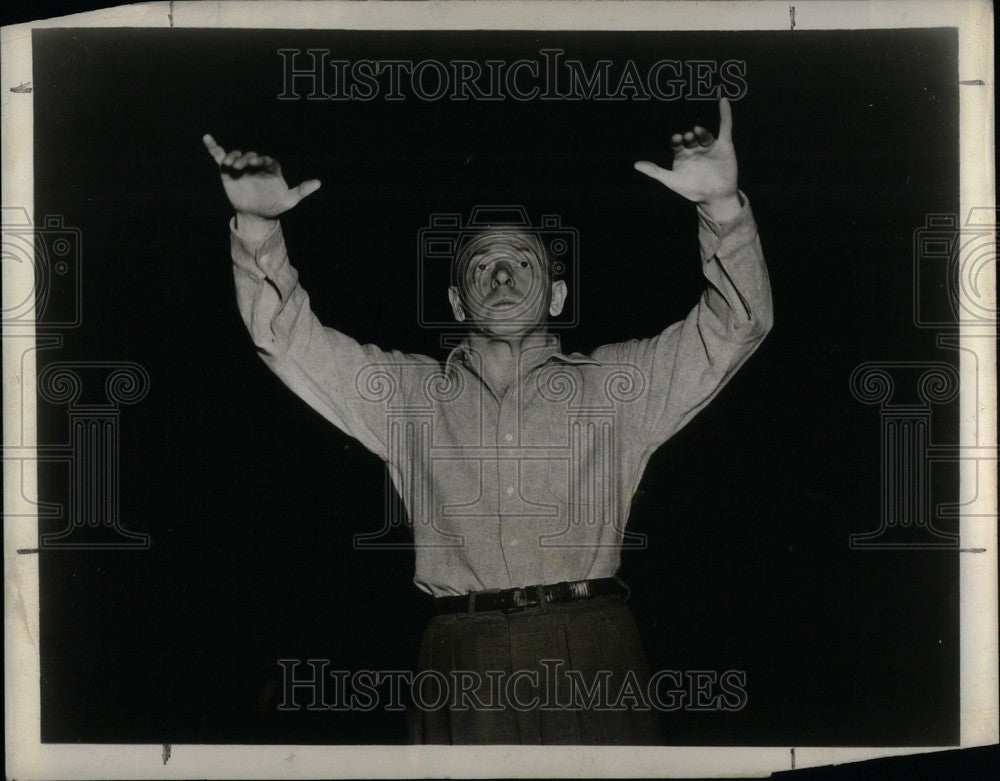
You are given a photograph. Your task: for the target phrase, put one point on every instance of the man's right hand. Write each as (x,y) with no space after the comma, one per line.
(256,188)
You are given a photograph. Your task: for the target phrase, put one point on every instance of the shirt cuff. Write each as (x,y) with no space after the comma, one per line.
(266,259)
(722,239)
(260,258)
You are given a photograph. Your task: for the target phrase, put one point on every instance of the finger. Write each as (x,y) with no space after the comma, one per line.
(231,158)
(253,159)
(654,171)
(725,120)
(304,189)
(217,152)
(704,137)
(677,142)
(269,164)
(242,161)
(690,141)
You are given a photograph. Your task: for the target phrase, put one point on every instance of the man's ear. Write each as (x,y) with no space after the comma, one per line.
(558,297)
(456,303)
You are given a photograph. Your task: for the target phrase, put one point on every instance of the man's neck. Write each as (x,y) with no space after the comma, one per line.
(503,356)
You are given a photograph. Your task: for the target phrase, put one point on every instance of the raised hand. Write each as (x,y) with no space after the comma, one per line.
(704,169)
(254,183)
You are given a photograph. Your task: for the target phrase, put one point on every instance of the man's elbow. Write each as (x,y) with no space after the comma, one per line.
(764,322)
(761,315)
(754,328)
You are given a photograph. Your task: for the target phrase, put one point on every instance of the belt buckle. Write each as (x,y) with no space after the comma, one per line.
(562,592)
(515,600)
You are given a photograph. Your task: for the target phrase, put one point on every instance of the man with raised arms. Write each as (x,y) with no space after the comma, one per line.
(517,463)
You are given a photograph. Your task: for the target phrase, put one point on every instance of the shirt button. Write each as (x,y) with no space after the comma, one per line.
(508,437)
(265,259)
(510,490)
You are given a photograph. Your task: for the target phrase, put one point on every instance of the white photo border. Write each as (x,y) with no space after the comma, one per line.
(28,758)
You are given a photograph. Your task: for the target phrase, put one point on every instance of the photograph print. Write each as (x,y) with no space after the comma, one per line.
(515,386)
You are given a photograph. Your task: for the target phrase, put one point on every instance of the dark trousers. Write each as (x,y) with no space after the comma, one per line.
(557,674)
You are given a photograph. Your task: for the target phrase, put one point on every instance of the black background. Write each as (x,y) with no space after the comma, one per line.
(845,140)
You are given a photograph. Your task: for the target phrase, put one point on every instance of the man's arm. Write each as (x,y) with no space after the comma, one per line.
(689,363)
(321,365)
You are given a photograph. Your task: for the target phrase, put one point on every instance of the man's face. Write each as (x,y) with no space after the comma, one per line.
(505,285)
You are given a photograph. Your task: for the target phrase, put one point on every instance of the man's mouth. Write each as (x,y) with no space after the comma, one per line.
(504,303)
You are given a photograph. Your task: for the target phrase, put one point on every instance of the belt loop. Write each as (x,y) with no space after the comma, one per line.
(624,585)
(472,603)
(540,593)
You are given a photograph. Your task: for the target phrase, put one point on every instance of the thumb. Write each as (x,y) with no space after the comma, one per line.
(725,120)
(662,175)
(296,194)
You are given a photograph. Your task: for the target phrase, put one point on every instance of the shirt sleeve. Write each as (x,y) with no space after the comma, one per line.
(330,371)
(685,366)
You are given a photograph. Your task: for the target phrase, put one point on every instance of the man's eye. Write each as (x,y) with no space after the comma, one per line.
(482,267)
(524,264)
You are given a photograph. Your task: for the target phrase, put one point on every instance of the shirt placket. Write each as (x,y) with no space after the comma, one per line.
(505,442)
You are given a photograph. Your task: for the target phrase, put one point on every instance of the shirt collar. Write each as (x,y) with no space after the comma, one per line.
(547,350)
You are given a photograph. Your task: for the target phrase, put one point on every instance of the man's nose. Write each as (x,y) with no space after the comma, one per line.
(502,276)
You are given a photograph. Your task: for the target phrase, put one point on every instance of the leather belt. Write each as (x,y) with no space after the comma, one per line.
(512,600)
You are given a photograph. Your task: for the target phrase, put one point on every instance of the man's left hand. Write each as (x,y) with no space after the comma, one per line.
(704,169)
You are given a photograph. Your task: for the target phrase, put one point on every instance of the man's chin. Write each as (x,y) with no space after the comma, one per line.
(507,328)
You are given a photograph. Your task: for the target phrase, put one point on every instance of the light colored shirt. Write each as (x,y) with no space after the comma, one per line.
(534,486)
